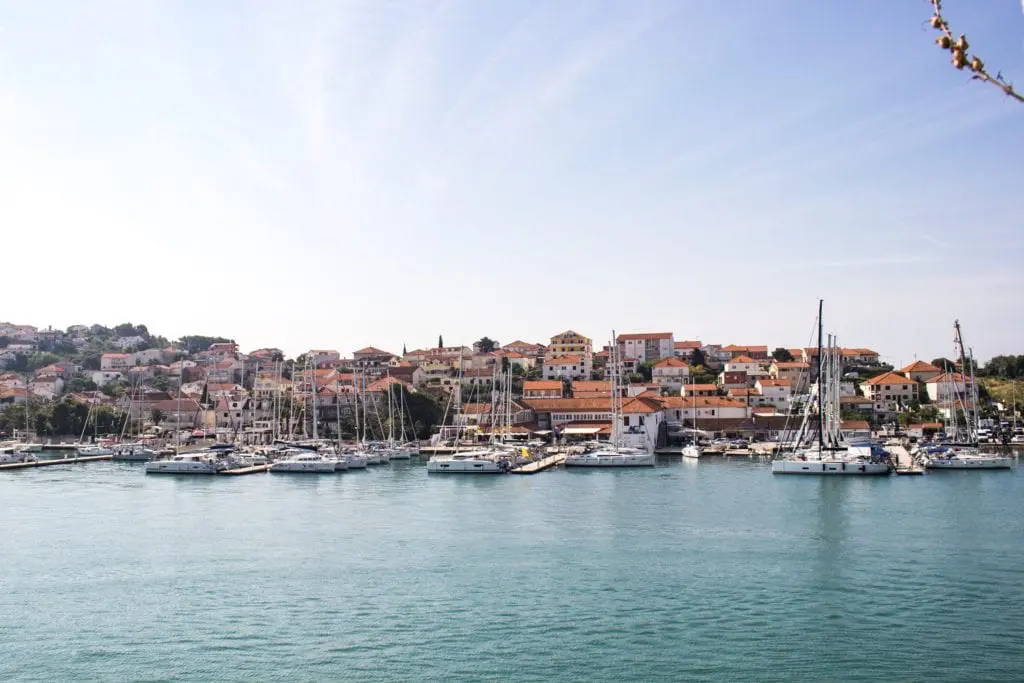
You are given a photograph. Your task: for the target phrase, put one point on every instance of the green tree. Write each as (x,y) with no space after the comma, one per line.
(77,384)
(943,364)
(161,382)
(156,415)
(197,343)
(113,389)
(646,370)
(41,360)
(440,342)
(782,355)
(485,345)
(5,341)
(698,358)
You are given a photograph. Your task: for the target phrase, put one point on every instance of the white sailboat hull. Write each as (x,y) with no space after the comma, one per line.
(134,456)
(304,467)
(971,462)
(9,458)
(87,451)
(180,467)
(691,451)
(599,459)
(468,466)
(829,467)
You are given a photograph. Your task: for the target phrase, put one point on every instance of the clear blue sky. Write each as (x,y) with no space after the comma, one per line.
(330,174)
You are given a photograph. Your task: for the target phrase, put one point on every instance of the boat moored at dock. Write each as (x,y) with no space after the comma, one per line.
(305,463)
(187,463)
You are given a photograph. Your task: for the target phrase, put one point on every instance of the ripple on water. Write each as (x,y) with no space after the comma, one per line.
(709,572)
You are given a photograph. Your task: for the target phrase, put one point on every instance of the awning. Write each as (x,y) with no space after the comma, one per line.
(581,430)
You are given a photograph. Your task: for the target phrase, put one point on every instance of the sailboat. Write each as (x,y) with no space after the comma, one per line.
(963,452)
(692,450)
(96,448)
(492,459)
(824,450)
(394,449)
(614,454)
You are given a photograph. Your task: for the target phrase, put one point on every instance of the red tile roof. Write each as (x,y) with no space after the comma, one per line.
(920,366)
(542,384)
(644,335)
(889,378)
(563,360)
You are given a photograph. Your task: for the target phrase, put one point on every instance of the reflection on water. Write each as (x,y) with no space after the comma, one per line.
(713,570)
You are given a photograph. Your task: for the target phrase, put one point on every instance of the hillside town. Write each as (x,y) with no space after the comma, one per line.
(129,381)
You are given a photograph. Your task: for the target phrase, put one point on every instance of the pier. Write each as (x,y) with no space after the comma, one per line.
(539,465)
(57,461)
(239,471)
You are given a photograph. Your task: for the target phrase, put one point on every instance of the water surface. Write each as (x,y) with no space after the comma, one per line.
(709,571)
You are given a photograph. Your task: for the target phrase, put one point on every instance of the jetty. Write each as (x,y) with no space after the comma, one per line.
(535,466)
(252,469)
(55,461)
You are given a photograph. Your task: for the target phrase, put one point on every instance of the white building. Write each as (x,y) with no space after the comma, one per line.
(890,392)
(116,362)
(670,373)
(777,393)
(105,377)
(949,387)
(745,364)
(567,367)
(646,346)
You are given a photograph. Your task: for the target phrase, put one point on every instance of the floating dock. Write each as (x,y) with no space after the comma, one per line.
(58,461)
(239,471)
(539,465)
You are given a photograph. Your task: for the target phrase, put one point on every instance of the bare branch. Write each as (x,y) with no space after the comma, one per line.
(961,58)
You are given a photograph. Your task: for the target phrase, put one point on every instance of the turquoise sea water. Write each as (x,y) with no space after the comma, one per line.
(709,571)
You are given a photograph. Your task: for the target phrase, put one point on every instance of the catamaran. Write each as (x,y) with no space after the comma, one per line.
(820,447)
(614,454)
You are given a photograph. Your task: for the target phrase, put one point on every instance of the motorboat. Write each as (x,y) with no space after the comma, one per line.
(29,447)
(187,463)
(306,462)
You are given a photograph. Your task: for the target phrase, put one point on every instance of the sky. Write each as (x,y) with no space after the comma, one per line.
(340,174)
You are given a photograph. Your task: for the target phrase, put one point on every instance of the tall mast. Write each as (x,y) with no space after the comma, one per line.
(821,411)
(969,416)
(616,398)
(391,413)
(313,386)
